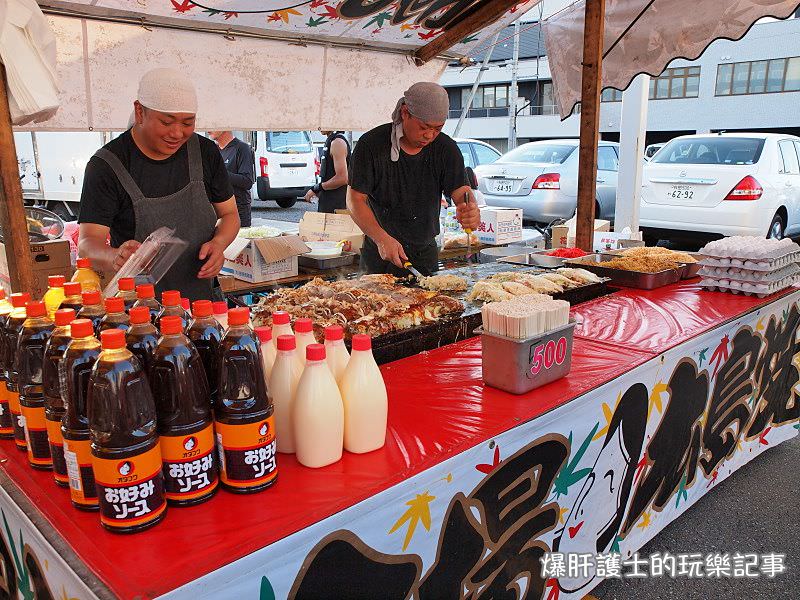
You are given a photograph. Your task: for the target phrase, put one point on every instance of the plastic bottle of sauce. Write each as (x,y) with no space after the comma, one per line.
(221,313)
(268,351)
(365,401)
(74,371)
(6,426)
(142,336)
(51,386)
(127,291)
(243,415)
(187,306)
(304,334)
(84,275)
(54,295)
(171,306)
(283,382)
(281,325)
(73,298)
(318,414)
(115,317)
(92,308)
(185,424)
(126,457)
(13,326)
(338,357)
(32,341)
(205,332)
(146,296)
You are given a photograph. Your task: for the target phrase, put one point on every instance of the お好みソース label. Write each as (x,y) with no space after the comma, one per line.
(247,453)
(190,469)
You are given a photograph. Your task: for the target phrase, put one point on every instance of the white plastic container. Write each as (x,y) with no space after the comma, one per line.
(285,376)
(268,350)
(318,414)
(336,351)
(281,325)
(221,313)
(365,400)
(304,334)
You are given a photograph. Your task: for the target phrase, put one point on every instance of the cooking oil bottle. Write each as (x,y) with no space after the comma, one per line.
(74,372)
(92,308)
(185,424)
(126,457)
(33,338)
(171,306)
(205,332)
(127,291)
(54,295)
(12,328)
(84,275)
(72,296)
(243,415)
(115,317)
(146,296)
(51,387)
(6,426)
(142,336)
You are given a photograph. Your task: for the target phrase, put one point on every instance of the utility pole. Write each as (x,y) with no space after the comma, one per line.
(512,93)
(468,103)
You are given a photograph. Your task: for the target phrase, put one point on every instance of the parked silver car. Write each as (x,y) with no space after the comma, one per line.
(541,178)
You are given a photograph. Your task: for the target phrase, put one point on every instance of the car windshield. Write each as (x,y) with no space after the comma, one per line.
(711,151)
(538,153)
(288,142)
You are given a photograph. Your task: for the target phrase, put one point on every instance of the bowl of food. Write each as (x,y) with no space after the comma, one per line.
(324,249)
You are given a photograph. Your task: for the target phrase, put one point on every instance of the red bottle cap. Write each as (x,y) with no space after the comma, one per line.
(84,263)
(82,328)
(127,284)
(112,339)
(239,316)
(145,290)
(303,326)
(2,294)
(202,308)
(56,281)
(72,288)
(315,352)
(35,309)
(280,317)
(362,342)
(285,342)
(265,334)
(139,315)
(64,316)
(115,305)
(171,298)
(220,308)
(186,304)
(91,298)
(334,333)
(18,300)
(171,324)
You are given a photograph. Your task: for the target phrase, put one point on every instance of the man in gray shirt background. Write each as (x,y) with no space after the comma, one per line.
(238,158)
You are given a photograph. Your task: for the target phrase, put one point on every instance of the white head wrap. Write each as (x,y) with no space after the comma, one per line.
(425,100)
(167,90)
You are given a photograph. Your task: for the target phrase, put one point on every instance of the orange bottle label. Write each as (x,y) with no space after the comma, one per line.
(78,456)
(131,490)
(6,425)
(36,436)
(247,453)
(190,470)
(56,441)
(18,421)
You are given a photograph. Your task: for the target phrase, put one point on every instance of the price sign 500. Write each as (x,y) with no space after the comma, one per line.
(544,356)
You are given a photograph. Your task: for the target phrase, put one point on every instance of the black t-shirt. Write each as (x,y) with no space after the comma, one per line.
(105,202)
(406,195)
(238,159)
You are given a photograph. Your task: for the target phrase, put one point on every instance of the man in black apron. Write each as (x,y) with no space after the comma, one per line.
(398,174)
(332,189)
(158,174)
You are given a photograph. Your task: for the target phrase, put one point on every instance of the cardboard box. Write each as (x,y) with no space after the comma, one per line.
(49,258)
(325,227)
(500,226)
(263,260)
(564,235)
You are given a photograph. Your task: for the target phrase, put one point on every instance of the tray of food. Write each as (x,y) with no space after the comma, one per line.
(689,260)
(642,272)
(309,261)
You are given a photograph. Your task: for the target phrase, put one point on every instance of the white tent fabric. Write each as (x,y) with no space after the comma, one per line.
(644,36)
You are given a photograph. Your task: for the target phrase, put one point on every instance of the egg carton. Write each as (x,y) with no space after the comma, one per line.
(760,290)
(748,275)
(750,264)
(749,248)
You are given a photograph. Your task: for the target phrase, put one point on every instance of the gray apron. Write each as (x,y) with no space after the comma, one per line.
(188,211)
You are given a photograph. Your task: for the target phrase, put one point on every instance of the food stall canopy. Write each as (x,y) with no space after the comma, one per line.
(644,36)
(261,64)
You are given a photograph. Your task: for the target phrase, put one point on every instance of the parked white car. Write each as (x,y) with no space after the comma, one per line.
(287,165)
(701,187)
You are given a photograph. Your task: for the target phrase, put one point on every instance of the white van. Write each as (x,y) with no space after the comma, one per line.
(287,165)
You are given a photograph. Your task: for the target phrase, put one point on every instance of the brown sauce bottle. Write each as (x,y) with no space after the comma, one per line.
(72,296)
(92,309)
(127,291)
(11,331)
(115,317)
(6,426)
(146,296)
(171,306)
(205,332)
(142,336)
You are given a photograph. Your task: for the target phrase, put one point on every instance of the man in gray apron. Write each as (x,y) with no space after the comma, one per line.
(158,174)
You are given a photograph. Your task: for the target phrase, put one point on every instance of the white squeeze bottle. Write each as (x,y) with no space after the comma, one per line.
(281,325)
(221,313)
(268,350)
(364,397)
(338,357)
(304,334)
(318,414)
(283,380)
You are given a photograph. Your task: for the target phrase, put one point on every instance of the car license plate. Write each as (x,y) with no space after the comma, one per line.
(681,192)
(502,186)
(293,172)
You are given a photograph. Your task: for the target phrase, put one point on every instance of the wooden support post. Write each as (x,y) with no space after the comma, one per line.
(590,121)
(12,210)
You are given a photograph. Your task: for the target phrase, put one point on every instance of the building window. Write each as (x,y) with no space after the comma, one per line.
(490,96)
(681,82)
(611,95)
(759,77)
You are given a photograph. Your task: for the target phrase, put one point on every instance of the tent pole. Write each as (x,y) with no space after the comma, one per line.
(590,121)
(12,210)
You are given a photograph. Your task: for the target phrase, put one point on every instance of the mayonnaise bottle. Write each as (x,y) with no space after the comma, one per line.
(268,350)
(304,334)
(338,357)
(365,401)
(283,380)
(281,325)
